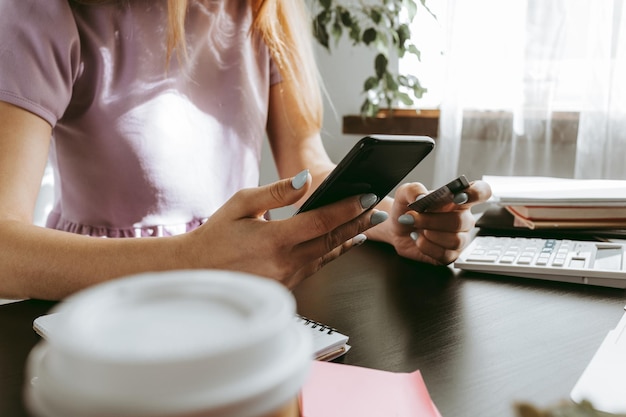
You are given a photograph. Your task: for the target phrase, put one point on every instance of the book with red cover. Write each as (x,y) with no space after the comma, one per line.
(569,212)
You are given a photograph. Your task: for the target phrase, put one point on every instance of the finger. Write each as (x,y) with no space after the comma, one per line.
(446,240)
(319,222)
(255,202)
(450,221)
(478,192)
(460,198)
(315,265)
(409,192)
(326,243)
(442,248)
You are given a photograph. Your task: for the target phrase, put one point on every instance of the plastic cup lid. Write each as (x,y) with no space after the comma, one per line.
(220,342)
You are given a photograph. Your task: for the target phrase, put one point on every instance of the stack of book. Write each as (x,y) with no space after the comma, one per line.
(548,202)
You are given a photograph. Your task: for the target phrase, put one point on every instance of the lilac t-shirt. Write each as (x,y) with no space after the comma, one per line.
(139,148)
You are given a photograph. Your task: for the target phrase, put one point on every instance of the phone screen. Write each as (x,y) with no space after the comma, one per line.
(376,164)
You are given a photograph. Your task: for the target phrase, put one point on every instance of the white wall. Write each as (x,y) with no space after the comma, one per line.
(343,72)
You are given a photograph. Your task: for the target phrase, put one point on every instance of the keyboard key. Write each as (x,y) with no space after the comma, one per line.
(558,262)
(482,258)
(507,259)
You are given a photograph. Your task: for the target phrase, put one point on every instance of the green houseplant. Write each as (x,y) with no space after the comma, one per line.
(380,24)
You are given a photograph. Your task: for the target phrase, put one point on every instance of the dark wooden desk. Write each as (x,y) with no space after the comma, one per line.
(481,343)
(16,340)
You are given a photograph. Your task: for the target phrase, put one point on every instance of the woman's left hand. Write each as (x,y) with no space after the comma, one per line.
(436,237)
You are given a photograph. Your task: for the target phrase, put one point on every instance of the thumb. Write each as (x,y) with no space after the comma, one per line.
(257,201)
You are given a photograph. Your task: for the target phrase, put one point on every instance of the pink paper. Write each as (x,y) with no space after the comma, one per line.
(337,390)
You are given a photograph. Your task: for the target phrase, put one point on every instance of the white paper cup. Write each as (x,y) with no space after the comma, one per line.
(180,343)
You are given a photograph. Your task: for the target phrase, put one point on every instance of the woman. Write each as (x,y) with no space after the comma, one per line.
(153,113)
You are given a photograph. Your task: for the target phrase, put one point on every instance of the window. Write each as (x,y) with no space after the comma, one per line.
(540,80)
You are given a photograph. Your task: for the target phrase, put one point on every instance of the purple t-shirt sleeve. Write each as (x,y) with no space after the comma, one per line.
(39,56)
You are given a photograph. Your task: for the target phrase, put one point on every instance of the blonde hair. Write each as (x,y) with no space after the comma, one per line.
(287,31)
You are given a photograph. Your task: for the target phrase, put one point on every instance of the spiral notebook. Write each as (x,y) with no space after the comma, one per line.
(328,343)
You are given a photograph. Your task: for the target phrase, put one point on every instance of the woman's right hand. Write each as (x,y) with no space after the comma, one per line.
(239,237)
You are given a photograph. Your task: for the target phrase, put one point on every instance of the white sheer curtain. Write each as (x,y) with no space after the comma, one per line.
(532,87)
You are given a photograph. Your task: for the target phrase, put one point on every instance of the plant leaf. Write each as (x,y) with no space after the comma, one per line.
(418,91)
(337,29)
(346,17)
(368,109)
(380,64)
(326,3)
(404,33)
(320,32)
(375,15)
(405,81)
(413,50)
(405,98)
(355,33)
(370,83)
(369,36)
(428,9)
(390,82)
(324,17)
(411,7)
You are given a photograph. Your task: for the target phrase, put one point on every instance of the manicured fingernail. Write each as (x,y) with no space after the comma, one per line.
(368,200)
(406,219)
(460,198)
(359,239)
(378,217)
(414,235)
(299,180)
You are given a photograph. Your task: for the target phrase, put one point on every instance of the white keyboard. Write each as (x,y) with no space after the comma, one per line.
(582,262)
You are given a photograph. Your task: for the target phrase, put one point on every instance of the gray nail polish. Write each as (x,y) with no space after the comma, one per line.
(406,219)
(359,239)
(299,180)
(414,235)
(378,217)
(460,198)
(368,200)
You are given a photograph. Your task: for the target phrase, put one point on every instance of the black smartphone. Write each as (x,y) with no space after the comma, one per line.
(376,164)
